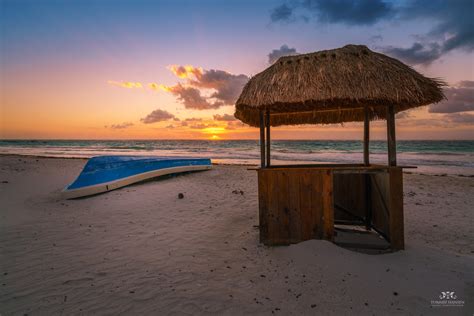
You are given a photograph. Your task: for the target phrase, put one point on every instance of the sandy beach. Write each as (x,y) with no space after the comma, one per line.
(142,250)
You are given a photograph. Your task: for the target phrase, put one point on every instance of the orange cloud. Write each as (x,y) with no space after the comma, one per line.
(186,72)
(125,84)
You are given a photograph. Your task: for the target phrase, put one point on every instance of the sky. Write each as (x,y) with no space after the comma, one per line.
(84,69)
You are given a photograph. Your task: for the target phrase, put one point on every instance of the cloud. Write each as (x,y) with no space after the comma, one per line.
(460,118)
(234,125)
(201,89)
(225,117)
(460,98)
(201,126)
(125,84)
(193,119)
(157,115)
(453,29)
(453,24)
(192,98)
(450,120)
(121,126)
(403,115)
(281,13)
(185,72)
(225,87)
(190,120)
(284,50)
(154,86)
(376,38)
(349,12)
(417,54)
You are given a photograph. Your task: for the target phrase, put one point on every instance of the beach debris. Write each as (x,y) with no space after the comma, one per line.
(4,181)
(313,305)
(180,196)
(395,293)
(238,192)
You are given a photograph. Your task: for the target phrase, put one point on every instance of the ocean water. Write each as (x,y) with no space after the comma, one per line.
(450,157)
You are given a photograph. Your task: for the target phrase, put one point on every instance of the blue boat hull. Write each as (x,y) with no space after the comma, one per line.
(106,173)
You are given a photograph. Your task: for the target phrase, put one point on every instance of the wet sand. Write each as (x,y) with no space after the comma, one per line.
(142,250)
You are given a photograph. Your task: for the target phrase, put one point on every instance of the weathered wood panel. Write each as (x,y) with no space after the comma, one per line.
(379,202)
(305,198)
(262,205)
(283,209)
(349,195)
(316,219)
(397,239)
(272,211)
(295,205)
(387,206)
(328,206)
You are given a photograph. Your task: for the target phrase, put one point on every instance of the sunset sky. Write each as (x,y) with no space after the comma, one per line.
(173,69)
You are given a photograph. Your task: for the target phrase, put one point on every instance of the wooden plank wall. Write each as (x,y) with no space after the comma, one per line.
(379,199)
(387,205)
(295,205)
(397,237)
(349,193)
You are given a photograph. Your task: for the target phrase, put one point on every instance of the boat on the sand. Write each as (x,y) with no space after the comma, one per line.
(106,173)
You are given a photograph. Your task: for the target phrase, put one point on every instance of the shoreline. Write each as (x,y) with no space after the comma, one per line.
(235,164)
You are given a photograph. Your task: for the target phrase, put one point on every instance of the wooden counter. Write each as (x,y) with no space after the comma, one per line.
(302,202)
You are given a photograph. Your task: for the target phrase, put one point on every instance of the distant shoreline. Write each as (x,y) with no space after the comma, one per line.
(228,164)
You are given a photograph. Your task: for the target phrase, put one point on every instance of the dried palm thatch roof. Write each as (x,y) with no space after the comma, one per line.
(333,86)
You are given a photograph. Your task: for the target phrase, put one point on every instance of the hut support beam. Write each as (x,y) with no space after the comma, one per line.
(392,148)
(366,136)
(262,140)
(267,123)
(368,189)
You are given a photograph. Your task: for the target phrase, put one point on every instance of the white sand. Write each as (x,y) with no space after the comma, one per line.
(141,250)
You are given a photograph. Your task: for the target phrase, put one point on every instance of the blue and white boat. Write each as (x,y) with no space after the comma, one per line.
(106,173)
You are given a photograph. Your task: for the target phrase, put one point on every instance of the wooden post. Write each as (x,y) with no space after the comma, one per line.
(262,140)
(368,189)
(366,136)
(391,142)
(267,123)
(395,204)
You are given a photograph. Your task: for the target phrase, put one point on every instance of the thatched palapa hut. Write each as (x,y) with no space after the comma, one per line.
(348,84)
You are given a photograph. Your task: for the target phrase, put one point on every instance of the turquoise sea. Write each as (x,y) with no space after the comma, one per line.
(450,157)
